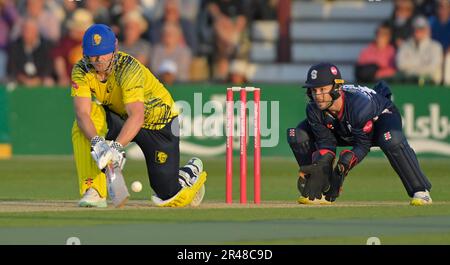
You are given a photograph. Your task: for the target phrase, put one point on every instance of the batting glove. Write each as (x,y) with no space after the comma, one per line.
(100,152)
(118,154)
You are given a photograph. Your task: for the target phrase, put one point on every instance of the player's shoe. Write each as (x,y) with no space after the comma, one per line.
(421,198)
(197,168)
(192,180)
(91,198)
(185,196)
(321,201)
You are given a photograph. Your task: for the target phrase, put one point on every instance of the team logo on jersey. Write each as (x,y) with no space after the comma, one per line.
(368,127)
(334,70)
(387,136)
(314,74)
(74,85)
(330,126)
(291,132)
(97,39)
(160,157)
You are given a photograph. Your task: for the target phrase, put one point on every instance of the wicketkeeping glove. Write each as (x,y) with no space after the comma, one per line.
(336,182)
(317,176)
(100,152)
(118,154)
(347,160)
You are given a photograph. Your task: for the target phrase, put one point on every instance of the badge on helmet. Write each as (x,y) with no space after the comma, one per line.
(97,39)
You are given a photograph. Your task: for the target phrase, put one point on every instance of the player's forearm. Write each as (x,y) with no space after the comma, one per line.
(130,129)
(360,152)
(86,125)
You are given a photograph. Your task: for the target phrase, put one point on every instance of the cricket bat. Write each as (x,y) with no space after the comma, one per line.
(117,189)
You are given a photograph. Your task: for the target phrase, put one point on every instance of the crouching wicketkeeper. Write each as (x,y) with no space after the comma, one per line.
(348,115)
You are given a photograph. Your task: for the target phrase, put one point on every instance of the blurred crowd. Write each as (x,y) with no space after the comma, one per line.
(412,46)
(202,40)
(179,40)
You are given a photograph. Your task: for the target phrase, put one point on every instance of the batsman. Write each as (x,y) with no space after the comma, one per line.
(118,99)
(340,114)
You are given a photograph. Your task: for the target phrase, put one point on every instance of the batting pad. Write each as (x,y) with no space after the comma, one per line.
(89,176)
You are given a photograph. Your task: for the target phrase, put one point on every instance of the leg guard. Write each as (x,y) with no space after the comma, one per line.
(302,147)
(404,161)
(89,176)
(389,136)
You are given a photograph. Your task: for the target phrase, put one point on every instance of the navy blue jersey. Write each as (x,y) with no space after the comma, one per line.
(354,124)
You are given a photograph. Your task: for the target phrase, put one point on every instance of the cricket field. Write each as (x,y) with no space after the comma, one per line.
(38,205)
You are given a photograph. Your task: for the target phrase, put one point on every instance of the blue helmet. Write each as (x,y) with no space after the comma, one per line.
(98,40)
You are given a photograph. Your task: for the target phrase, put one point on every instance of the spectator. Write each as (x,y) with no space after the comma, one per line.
(49,24)
(8,16)
(191,9)
(67,8)
(426,7)
(28,63)
(440,24)
(238,72)
(69,50)
(98,10)
(172,15)
(440,28)
(57,8)
(134,25)
(130,5)
(263,9)
(172,48)
(377,60)
(167,72)
(230,29)
(148,8)
(118,12)
(420,58)
(401,21)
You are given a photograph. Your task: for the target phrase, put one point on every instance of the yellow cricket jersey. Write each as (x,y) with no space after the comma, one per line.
(129,81)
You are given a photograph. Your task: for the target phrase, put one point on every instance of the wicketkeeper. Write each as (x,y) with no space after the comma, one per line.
(341,114)
(118,99)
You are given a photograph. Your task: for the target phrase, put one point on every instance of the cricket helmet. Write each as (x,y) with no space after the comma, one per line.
(98,40)
(324,74)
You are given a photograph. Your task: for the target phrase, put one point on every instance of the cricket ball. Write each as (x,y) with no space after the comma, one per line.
(136,186)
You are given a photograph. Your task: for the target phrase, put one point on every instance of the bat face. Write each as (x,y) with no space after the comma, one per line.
(117,188)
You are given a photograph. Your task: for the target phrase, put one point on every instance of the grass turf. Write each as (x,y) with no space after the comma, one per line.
(50,178)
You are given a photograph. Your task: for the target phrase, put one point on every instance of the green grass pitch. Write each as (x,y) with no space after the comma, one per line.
(38,198)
